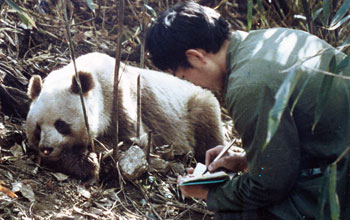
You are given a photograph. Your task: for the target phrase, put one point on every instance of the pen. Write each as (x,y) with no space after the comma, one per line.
(222,152)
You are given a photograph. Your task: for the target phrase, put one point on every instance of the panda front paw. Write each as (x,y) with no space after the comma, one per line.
(84,167)
(93,166)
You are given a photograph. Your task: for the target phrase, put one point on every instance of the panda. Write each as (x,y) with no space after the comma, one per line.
(176,111)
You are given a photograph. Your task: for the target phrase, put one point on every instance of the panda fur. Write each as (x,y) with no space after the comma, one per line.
(177,111)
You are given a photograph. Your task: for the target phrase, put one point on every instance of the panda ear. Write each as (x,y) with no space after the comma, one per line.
(86,81)
(34,86)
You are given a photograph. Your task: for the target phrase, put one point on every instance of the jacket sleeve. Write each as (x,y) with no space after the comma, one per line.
(272,172)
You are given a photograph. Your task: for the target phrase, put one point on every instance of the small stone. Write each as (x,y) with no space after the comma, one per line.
(159,165)
(178,168)
(133,163)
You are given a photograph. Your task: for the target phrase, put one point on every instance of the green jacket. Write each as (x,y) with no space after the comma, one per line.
(278,180)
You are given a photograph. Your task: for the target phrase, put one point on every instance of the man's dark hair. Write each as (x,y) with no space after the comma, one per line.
(187,25)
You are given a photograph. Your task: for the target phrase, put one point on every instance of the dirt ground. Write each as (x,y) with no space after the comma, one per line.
(29,191)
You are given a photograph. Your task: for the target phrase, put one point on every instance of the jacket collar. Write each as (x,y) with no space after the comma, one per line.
(236,39)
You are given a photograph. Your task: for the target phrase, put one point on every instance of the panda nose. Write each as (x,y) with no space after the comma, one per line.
(46,150)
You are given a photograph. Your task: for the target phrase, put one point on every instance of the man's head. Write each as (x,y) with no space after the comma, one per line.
(185,26)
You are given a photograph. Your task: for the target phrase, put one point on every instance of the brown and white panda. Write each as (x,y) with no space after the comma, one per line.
(177,112)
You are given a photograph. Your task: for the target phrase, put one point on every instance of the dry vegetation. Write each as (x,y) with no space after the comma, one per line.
(26,50)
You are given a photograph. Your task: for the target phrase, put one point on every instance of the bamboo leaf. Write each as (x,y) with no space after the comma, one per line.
(220,4)
(338,24)
(13,5)
(89,3)
(26,19)
(343,64)
(154,13)
(316,14)
(249,14)
(300,92)
(326,12)
(8,192)
(324,91)
(281,100)
(345,44)
(341,12)
(347,41)
(333,197)
(260,6)
(324,195)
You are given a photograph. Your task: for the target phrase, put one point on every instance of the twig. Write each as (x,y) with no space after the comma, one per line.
(160,199)
(132,201)
(147,199)
(71,50)
(127,198)
(133,10)
(179,216)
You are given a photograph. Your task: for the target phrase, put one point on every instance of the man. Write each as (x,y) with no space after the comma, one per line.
(284,180)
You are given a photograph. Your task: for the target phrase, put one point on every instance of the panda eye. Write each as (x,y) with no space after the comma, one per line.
(37,132)
(62,127)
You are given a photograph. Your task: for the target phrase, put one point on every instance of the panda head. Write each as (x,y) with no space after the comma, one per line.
(55,121)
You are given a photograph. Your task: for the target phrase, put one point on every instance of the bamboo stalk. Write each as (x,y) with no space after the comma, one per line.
(115,110)
(149,146)
(71,50)
(143,31)
(138,121)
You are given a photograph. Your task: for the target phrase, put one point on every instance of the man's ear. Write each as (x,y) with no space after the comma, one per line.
(196,57)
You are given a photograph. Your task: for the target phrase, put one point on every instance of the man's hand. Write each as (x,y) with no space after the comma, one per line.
(196,191)
(233,160)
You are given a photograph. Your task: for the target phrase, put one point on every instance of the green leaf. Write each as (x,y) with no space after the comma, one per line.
(341,12)
(260,6)
(13,5)
(324,194)
(89,3)
(327,85)
(326,12)
(324,91)
(338,24)
(249,14)
(300,92)
(333,197)
(343,64)
(281,100)
(347,41)
(154,13)
(345,44)
(26,19)
(316,14)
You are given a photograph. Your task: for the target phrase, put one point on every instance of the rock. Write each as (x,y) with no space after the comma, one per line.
(178,168)
(133,163)
(159,165)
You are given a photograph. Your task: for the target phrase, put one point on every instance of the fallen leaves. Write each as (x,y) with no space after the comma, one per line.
(8,192)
